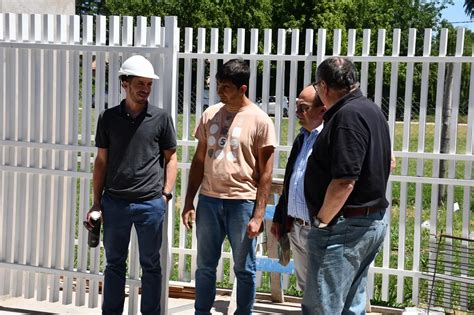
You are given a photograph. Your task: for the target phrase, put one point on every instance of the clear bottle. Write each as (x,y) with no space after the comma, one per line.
(93,238)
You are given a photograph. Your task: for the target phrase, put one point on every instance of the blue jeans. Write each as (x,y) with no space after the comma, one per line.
(147,216)
(339,259)
(216,218)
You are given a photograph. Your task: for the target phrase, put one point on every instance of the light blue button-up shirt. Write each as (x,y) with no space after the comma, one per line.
(296,201)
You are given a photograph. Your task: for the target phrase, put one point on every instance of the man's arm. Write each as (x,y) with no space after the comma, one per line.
(265,165)
(196,173)
(336,195)
(171,169)
(98,180)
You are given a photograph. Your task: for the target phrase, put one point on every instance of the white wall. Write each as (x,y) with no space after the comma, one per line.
(38,6)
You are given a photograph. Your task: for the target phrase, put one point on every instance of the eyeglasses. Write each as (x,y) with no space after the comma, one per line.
(315,85)
(303,108)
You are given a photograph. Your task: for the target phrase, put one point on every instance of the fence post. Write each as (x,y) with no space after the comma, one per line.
(170,79)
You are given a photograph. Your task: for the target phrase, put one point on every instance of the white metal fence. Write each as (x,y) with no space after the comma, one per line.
(58,73)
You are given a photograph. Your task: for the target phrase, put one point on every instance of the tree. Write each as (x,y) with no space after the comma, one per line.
(469,8)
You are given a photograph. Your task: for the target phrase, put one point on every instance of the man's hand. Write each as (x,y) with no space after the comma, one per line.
(188,216)
(254,227)
(95,207)
(275,230)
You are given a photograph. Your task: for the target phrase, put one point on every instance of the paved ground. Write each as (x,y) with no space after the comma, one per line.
(15,306)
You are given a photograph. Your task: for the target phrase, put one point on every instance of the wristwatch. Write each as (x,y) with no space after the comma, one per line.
(168,196)
(318,224)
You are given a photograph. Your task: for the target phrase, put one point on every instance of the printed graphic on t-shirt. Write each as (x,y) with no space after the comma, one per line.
(219,137)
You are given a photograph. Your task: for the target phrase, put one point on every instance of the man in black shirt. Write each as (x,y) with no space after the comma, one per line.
(134,174)
(345,182)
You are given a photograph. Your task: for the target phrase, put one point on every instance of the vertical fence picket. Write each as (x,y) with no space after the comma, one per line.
(467,191)
(21,118)
(113,66)
(405,148)
(213,65)
(253,64)
(86,98)
(308,51)
(34,205)
(13,58)
(321,48)
(379,68)
(227,46)
(391,124)
(70,129)
(156,60)
(453,133)
(420,163)
(378,101)
(443,45)
(267,49)
(185,136)
(201,79)
(3,221)
(279,88)
(364,69)
(290,111)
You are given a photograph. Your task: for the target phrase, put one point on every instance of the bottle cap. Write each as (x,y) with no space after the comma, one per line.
(95,215)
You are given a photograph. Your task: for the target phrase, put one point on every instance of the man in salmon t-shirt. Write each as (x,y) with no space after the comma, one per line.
(233,165)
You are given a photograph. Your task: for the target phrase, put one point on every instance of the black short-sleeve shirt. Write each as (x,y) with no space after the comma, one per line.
(135,165)
(354,144)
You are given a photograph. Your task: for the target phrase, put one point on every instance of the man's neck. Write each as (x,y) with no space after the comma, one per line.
(336,96)
(133,108)
(237,105)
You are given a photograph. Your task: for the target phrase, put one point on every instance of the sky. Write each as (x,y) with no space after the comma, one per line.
(455,13)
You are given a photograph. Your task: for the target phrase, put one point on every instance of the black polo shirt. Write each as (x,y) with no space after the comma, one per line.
(354,144)
(135,160)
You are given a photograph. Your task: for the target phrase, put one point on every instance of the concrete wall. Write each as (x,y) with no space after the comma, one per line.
(38,6)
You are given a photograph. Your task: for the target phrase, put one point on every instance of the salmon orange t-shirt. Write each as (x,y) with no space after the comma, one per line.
(231,168)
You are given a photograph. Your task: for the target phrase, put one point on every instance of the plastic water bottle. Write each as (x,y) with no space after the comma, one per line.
(93,238)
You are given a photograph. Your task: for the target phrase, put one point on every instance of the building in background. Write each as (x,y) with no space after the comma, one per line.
(67,7)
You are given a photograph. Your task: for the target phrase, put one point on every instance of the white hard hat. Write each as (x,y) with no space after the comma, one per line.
(138,66)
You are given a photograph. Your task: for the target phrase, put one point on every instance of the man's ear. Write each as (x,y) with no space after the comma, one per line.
(124,84)
(243,89)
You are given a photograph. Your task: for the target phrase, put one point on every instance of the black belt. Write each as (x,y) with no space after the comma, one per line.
(299,221)
(358,212)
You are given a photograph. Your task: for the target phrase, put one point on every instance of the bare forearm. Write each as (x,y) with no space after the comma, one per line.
(336,195)
(98,181)
(263,190)
(196,173)
(171,171)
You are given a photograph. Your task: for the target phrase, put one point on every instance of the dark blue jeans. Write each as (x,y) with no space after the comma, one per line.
(147,216)
(216,218)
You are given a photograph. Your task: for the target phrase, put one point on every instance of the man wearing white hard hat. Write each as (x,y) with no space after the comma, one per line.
(134,174)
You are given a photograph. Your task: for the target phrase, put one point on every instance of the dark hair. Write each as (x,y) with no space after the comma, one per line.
(236,71)
(127,78)
(339,73)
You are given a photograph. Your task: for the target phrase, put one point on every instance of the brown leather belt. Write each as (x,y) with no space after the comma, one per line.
(355,212)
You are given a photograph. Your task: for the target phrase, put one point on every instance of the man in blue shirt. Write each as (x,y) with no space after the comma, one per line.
(291,213)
